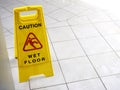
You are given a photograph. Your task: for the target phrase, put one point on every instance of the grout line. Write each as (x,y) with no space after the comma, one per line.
(63,41)
(7,17)
(111,75)
(85,56)
(56,26)
(10,47)
(101,21)
(47,13)
(22,2)
(48,86)
(59,64)
(107,43)
(75,15)
(48,27)
(69,12)
(60,69)
(67,83)
(59,8)
(56,5)
(84,38)
(12,33)
(88,58)
(11,11)
(83,80)
(5,9)
(53,17)
(113,21)
(75,81)
(74,24)
(69,58)
(111,18)
(29,84)
(105,39)
(62,8)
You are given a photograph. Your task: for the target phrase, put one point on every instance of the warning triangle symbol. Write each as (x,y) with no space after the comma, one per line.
(32,43)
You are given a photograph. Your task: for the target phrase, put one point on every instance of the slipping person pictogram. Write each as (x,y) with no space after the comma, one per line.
(32,43)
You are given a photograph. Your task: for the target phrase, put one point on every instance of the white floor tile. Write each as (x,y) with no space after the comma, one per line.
(6,33)
(114,41)
(57,24)
(60,87)
(106,64)
(7,22)
(117,22)
(78,20)
(99,17)
(88,12)
(31,2)
(77,69)
(95,45)
(13,5)
(13,63)
(93,84)
(53,56)
(75,8)
(85,31)
(114,16)
(6,3)
(61,15)
(48,8)
(107,28)
(9,41)
(68,49)
(49,20)
(60,3)
(4,13)
(82,4)
(11,30)
(19,86)
(112,82)
(3,29)
(54,80)
(11,53)
(61,34)
(118,53)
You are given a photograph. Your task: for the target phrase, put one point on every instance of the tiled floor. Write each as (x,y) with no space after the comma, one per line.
(84,44)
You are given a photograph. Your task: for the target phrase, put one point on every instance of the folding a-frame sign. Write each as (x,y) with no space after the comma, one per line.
(31,43)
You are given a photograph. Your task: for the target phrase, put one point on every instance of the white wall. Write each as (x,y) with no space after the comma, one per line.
(6,80)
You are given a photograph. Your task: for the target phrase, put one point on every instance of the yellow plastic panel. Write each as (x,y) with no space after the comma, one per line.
(31,43)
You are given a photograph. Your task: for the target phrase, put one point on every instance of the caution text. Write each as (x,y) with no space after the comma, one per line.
(28,26)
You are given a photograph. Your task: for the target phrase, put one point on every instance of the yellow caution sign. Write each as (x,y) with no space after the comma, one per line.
(31,44)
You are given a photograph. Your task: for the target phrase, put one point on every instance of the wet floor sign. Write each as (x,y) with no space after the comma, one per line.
(31,44)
